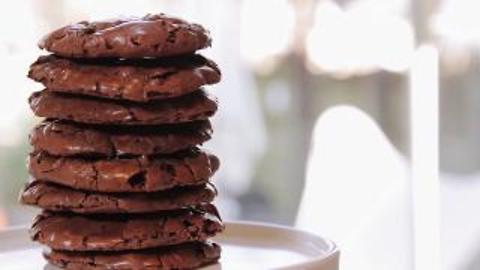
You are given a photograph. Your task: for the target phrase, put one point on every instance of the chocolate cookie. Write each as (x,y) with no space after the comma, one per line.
(137,80)
(179,257)
(70,139)
(60,198)
(62,231)
(193,107)
(144,174)
(156,35)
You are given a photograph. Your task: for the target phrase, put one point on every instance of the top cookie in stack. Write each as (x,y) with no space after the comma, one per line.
(116,164)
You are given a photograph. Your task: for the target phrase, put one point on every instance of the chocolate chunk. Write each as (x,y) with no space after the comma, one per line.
(139,80)
(184,256)
(64,231)
(144,174)
(156,35)
(193,107)
(60,198)
(70,139)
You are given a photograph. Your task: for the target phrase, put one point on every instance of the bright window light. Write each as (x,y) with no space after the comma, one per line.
(358,40)
(458,22)
(265,35)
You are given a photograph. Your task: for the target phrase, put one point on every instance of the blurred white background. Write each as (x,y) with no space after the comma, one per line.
(315,94)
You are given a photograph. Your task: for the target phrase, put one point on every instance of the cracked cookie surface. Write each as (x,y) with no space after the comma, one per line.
(139,80)
(184,256)
(196,106)
(60,199)
(143,174)
(157,35)
(64,138)
(64,231)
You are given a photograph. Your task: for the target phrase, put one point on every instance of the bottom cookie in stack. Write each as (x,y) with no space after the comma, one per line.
(184,256)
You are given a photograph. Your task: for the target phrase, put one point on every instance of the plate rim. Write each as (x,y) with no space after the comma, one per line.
(331,256)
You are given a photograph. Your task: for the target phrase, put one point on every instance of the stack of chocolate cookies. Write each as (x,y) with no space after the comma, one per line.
(116,164)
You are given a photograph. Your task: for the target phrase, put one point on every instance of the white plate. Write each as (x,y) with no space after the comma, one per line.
(250,246)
